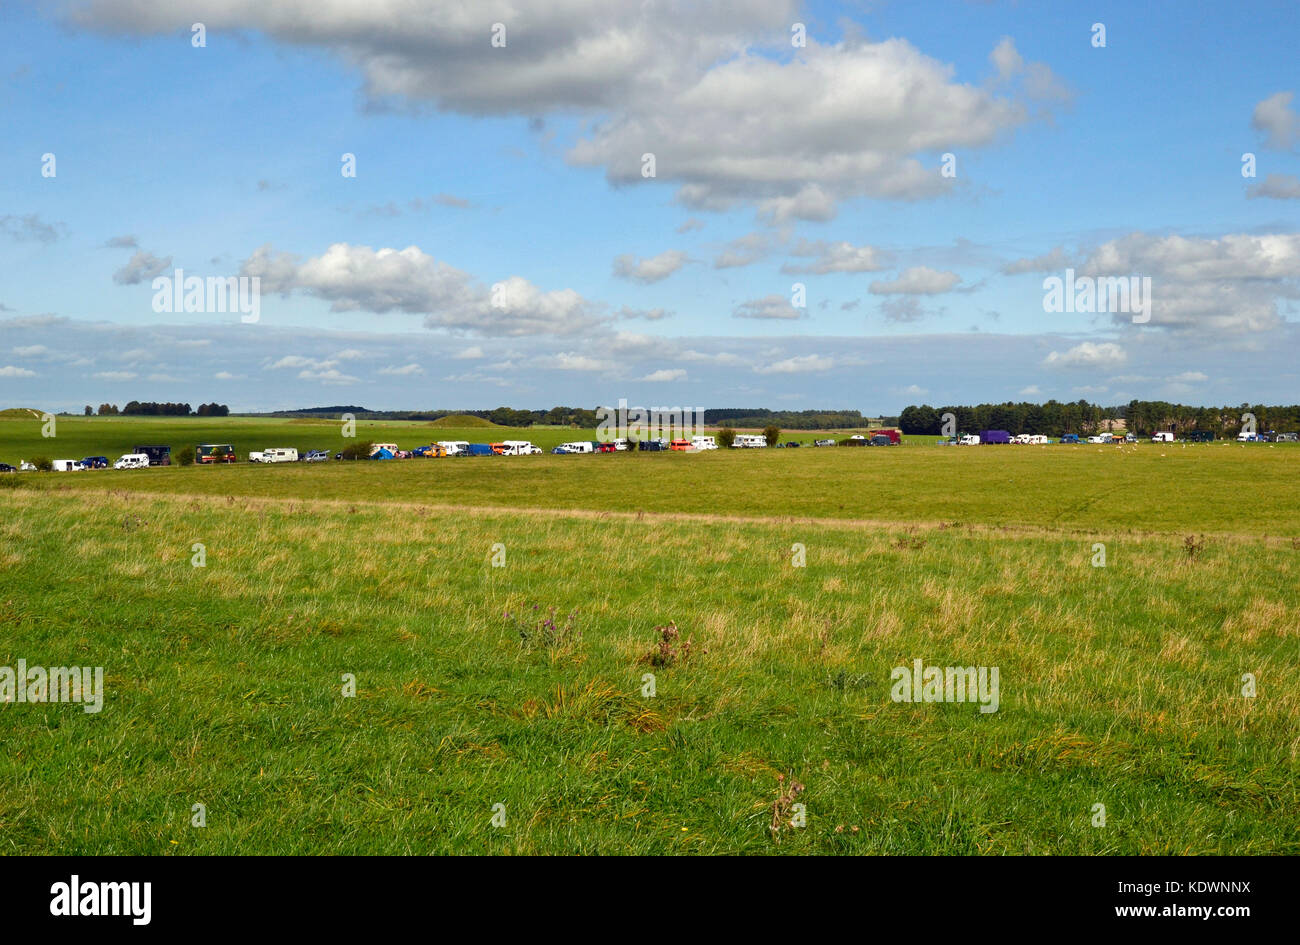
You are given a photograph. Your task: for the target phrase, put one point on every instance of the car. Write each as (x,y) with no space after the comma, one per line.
(315,456)
(823,442)
(880,440)
(791,445)
(95,462)
(1288,437)
(5,467)
(602,447)
(651,446)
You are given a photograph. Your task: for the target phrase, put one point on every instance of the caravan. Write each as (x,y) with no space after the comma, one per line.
(749,441)
(704,443)
(132,461)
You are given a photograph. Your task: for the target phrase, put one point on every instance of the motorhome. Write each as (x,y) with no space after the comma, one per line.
(749,441)
(970,439)
(518,448)
(67,465)
(578,446)
(280,454)
(454,447)
(132,461)
(704,443)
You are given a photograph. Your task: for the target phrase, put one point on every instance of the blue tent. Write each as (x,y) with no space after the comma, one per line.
(381,454)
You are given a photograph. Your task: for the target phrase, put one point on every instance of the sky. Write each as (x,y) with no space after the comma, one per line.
(757,203)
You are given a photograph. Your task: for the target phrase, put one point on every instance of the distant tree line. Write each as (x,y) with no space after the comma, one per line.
(790,419)
(744,417)
(149,408)
(1053,418)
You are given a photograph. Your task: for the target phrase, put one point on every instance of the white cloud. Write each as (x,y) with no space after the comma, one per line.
(666,374)
(919,280)
(471,353)
(1088,354)
(1030,391)
(406,370)
(1278,123)
(142,267)
(651,269)
(31,351)
(770,306)
(116,375)
(835,257)
(10,371)
(570,361)
(801,364)
(1055,261)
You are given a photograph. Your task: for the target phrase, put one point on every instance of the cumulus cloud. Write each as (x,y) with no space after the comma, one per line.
(1088,354)
(835,257)
(650,269)
(405,370)
(1054,261)
(142,267)
(122,242)
(31,228)
(919,280)
(359,278)
(116,375)
(770,306)
(1277,187)
(10,370)
(743,251)
(1227,284)
(1278,123)
(800,364)
(665,374)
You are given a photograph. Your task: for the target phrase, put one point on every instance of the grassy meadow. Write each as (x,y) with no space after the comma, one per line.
(1119,685)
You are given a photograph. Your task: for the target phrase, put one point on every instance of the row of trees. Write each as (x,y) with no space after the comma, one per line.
(1054,418)
(749,417)
(150,408)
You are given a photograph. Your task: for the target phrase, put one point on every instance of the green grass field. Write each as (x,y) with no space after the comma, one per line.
(1119,685)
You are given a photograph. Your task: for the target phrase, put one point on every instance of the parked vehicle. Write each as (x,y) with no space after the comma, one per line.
(1070,438)
(453,447)
(257,456)
(432,451)
(316,456)
(792,445)
(376,447)
(1102,438)
(519,448)
(1250,438)
(878,440)
(651,446)
(1288,437)
(158,455)
(687,446)
(946,441)
(67,465)
(970,439)
(823,443)
(895,436)
(1162,437)
(132,461)
(280,454)
(208,453)
(381,454)
(995,436)
(605,446)
(751,441)
(24,466)
(95,462)
(6,468)
(704,443)
(1200,436)
(478,449)
(578,446)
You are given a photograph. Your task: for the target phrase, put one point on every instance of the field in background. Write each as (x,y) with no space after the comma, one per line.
(1119,685)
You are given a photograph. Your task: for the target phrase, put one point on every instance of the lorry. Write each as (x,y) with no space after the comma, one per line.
(158,455)
(210,453)
(995,436)
(132,461)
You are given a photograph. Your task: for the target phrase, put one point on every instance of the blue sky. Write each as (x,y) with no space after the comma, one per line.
(520,166)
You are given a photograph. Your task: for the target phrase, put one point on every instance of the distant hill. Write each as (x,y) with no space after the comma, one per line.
(460,420)
(20,413)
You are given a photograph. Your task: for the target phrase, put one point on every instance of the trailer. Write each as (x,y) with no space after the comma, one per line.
(208,453)
(158,455)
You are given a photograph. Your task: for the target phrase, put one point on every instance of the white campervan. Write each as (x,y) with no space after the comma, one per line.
(578,446)
(704,443)
(749,441)
(1162,437)
(67,465)
(132,461)
(454,447)
(970,439)
(518,448)
(280,454)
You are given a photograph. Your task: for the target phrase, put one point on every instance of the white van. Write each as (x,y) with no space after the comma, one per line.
(578,446)
(749,441)
(970,439)
(132,461)
(519,448)
(280,454)
(1162,437)
(67,465)
(454,447)
(704,443)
